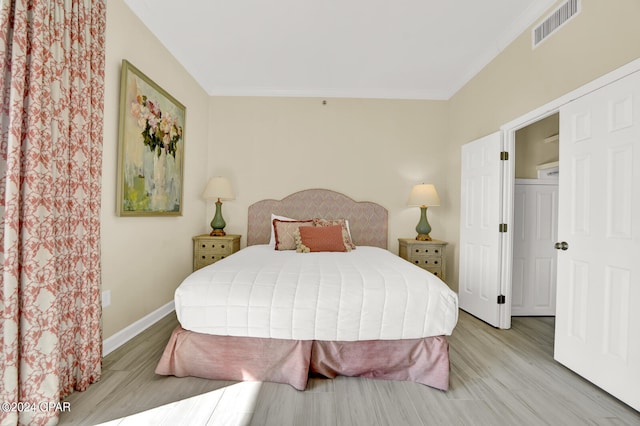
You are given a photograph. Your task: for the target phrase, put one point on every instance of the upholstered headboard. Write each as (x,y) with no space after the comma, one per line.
(367,220)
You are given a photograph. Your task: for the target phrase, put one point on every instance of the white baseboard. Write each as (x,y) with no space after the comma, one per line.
(112,343)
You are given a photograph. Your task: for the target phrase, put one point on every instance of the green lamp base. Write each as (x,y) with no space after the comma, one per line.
(423,229)
(218,222)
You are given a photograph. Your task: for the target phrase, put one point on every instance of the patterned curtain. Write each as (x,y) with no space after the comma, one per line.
(52,88)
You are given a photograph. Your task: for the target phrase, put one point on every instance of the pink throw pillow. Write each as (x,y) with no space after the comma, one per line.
(346,236)
(322,238)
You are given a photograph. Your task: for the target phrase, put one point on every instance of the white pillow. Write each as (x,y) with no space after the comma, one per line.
(272,240)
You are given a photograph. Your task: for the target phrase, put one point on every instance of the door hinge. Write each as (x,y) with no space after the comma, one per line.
(502,227)
(504,155)
(501,299)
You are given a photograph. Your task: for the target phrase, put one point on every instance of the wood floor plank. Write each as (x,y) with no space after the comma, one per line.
(236,404)
(317,409)
(198,409)
(424,399)
(354,401)
(277,405)
(391,405)
(498,377)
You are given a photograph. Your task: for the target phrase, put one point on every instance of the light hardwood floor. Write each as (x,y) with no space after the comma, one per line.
(498,377)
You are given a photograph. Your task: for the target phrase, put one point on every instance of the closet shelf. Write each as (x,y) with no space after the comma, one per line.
(547,165)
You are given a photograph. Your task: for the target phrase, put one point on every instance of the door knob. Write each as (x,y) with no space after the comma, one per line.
(561,246)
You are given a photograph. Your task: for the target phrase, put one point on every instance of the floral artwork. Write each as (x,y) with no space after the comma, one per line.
(151,147)
(160,130)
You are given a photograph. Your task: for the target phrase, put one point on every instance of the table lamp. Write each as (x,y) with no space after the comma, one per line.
(218,188)
(423,195)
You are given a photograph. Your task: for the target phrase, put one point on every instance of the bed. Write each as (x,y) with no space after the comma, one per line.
(273,313)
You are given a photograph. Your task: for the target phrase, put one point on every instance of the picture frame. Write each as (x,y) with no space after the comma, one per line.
(150,147)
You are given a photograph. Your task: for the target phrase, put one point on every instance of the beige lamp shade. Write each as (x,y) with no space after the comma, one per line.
(424,194)
(218,188)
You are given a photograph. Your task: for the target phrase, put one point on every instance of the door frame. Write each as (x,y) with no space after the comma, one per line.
(508,131)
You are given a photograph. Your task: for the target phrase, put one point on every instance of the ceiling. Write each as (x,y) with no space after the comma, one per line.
(400,49)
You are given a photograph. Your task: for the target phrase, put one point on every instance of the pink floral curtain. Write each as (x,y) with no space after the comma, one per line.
(52,88)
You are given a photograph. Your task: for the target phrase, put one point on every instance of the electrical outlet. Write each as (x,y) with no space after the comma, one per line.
(106,298)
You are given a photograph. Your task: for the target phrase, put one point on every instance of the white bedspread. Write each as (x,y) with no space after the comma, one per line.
(366,294)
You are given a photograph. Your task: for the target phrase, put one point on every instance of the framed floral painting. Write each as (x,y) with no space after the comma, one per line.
(151,148)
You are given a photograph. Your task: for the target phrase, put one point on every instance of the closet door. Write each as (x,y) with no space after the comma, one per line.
(535,228)
(598,299)
(480,241)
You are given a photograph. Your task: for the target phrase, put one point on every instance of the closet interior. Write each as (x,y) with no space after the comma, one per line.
(535,224)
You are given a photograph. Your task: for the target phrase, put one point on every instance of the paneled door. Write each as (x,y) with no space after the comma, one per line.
(535,230)
(598,288)
(480,202)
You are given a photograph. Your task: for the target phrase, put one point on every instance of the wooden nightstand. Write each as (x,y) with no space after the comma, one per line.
(429,255)
(208,249)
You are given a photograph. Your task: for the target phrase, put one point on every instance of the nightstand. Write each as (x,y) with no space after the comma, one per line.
(208,249)
(429,255)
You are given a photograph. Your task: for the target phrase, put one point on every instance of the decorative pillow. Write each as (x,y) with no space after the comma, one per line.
(272,239)
(321,238)
(300,248)
(284,232)
(346,234)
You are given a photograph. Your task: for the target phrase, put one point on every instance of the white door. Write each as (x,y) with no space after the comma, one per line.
(598,298)
(535,229)
(480,238)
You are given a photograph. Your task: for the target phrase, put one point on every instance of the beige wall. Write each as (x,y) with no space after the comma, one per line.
(144,259)
(603,37)
(373,150)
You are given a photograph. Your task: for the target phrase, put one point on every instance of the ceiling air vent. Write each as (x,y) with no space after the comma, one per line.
(558,18)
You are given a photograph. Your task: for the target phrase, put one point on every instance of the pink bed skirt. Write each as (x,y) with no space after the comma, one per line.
(424,361)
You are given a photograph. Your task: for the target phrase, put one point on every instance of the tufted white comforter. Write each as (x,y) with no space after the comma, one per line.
(365,294)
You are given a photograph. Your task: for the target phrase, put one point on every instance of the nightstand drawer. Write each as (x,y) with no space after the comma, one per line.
(422,250)
(215,247)
(204,259)
(427,261)
(435,271)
